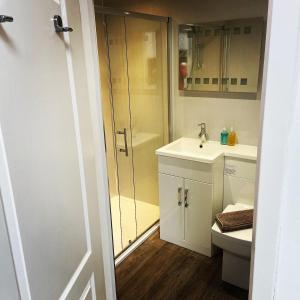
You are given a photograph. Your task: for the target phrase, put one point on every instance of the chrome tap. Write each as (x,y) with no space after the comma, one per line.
(203,134)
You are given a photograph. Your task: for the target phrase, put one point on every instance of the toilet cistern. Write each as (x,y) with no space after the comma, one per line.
(203,134)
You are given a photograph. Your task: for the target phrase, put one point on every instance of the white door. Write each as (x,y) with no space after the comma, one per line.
(198,219)
(8,280)
(47,153)
(171,208)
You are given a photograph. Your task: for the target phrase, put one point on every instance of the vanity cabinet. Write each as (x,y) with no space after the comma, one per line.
(190,195)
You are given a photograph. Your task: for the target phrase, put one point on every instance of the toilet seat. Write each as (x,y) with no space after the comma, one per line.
(237,242)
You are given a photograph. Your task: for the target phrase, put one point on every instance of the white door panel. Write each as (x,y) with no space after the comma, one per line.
(8,281)
(47,135)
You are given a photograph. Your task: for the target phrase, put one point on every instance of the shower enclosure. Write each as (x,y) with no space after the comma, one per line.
(134,83)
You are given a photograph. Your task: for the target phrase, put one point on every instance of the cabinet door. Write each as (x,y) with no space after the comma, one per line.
(171,208)
(198,210)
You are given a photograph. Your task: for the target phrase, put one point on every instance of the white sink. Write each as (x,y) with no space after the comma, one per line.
(189,148)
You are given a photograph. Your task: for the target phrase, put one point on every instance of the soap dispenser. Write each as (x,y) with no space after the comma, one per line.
(224,136)
(231,137)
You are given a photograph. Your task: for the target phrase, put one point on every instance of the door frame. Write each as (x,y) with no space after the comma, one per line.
(88,20)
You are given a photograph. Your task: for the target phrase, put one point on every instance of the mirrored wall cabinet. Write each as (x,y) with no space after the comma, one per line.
(221,59)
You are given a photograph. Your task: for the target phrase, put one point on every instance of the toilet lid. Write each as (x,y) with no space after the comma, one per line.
(244,235)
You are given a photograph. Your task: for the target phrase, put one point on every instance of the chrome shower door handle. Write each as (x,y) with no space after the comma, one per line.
(179,190)
(124,132)
(186,204)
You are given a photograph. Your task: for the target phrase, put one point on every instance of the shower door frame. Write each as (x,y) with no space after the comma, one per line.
(129,14)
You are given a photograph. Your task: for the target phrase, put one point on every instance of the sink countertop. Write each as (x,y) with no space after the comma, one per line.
(188,148)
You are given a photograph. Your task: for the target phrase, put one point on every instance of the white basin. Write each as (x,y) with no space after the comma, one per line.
(188,148)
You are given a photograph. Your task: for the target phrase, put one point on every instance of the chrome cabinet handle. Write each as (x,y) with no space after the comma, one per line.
(58,25)
(124,132)
(186,204)
(4,19)
(179,196)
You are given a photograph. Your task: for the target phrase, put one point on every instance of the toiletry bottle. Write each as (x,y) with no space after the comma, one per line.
(231,137)
(224,136)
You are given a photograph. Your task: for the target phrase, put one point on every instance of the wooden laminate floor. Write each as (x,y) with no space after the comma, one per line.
(160,270)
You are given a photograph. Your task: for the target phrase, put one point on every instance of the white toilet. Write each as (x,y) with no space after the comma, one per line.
(239,189)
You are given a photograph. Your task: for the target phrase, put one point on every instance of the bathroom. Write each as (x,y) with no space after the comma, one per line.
(149,149)
(163,94)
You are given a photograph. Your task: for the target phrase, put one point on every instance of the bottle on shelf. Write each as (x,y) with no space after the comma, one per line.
(231,137)
(224,136)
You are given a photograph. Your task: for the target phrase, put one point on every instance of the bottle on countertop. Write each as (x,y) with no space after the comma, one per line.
(231,137)
(224,136)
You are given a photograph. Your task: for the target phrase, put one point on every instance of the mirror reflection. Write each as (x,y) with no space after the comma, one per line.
(220,57)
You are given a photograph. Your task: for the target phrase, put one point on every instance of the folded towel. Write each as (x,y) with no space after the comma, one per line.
(235,220)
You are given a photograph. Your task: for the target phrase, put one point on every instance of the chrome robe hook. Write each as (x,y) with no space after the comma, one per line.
(4,19)
(58,25)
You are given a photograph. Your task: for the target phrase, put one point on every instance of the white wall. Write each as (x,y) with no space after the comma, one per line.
(189,111)
(243,115)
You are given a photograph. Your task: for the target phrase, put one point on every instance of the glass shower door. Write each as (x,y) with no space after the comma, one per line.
(147,72)
(133,64)
(123,205)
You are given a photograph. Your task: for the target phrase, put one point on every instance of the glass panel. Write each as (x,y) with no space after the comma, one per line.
(117,124)
(147,74)
(109,133)
(117,52)
(135,110)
